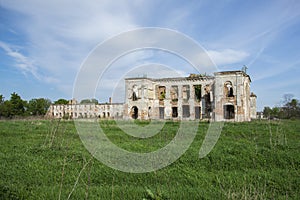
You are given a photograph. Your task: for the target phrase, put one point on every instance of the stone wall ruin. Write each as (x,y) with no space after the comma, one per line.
(223,97)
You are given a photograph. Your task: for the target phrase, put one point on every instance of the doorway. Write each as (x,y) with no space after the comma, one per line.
(228,112)
(134,112)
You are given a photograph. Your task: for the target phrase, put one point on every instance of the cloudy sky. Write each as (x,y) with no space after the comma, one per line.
(43,44)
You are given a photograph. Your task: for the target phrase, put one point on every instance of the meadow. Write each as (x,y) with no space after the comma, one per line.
(45,159)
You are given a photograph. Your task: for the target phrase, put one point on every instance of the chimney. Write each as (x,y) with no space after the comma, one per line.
(109,100)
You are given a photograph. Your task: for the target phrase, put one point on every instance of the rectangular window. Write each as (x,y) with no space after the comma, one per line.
(174,112)
(197,89)
(197,112)
(186,92)
(161,112)
(161,92)
(174,93)
(185,111)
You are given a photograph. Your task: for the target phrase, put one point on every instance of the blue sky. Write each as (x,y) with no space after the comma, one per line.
(43,43)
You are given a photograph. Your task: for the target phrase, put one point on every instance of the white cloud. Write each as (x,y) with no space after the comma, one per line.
(24,63)
(227,56)
(22,60)
(60,34)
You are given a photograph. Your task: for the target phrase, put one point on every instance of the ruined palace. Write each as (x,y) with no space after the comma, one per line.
(225,96)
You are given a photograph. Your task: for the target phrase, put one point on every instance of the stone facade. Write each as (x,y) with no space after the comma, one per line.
(223,97)
(75,110)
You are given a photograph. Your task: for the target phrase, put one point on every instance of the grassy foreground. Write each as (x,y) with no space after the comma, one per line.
(47,160)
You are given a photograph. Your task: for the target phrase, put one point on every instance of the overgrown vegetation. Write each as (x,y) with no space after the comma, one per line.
(89,101)
(252,160)
(197,89)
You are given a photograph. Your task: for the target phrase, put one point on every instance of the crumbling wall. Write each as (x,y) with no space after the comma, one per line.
(224,97)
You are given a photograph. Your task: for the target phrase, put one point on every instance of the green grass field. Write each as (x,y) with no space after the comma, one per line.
(252,160)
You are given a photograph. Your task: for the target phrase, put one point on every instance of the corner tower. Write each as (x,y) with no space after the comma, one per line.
(232,96)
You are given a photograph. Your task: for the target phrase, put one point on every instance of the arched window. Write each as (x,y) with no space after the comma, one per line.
(228,89)
(134,93)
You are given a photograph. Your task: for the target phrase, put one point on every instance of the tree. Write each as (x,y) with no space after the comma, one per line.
(38,106)
(1,99)
(6,109)
(292,109)
(287,98)
(275,112)
(89,101)
(267,112)
(61,101)
(1,105)
(17,105)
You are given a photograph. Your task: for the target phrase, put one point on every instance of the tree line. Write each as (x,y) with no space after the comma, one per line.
(289,110)
(16,106)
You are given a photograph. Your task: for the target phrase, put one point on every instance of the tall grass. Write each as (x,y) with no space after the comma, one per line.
(252,160)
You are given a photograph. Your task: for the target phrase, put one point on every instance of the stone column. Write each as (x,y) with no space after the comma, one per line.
(179,102)
(167,103)
(192,102)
